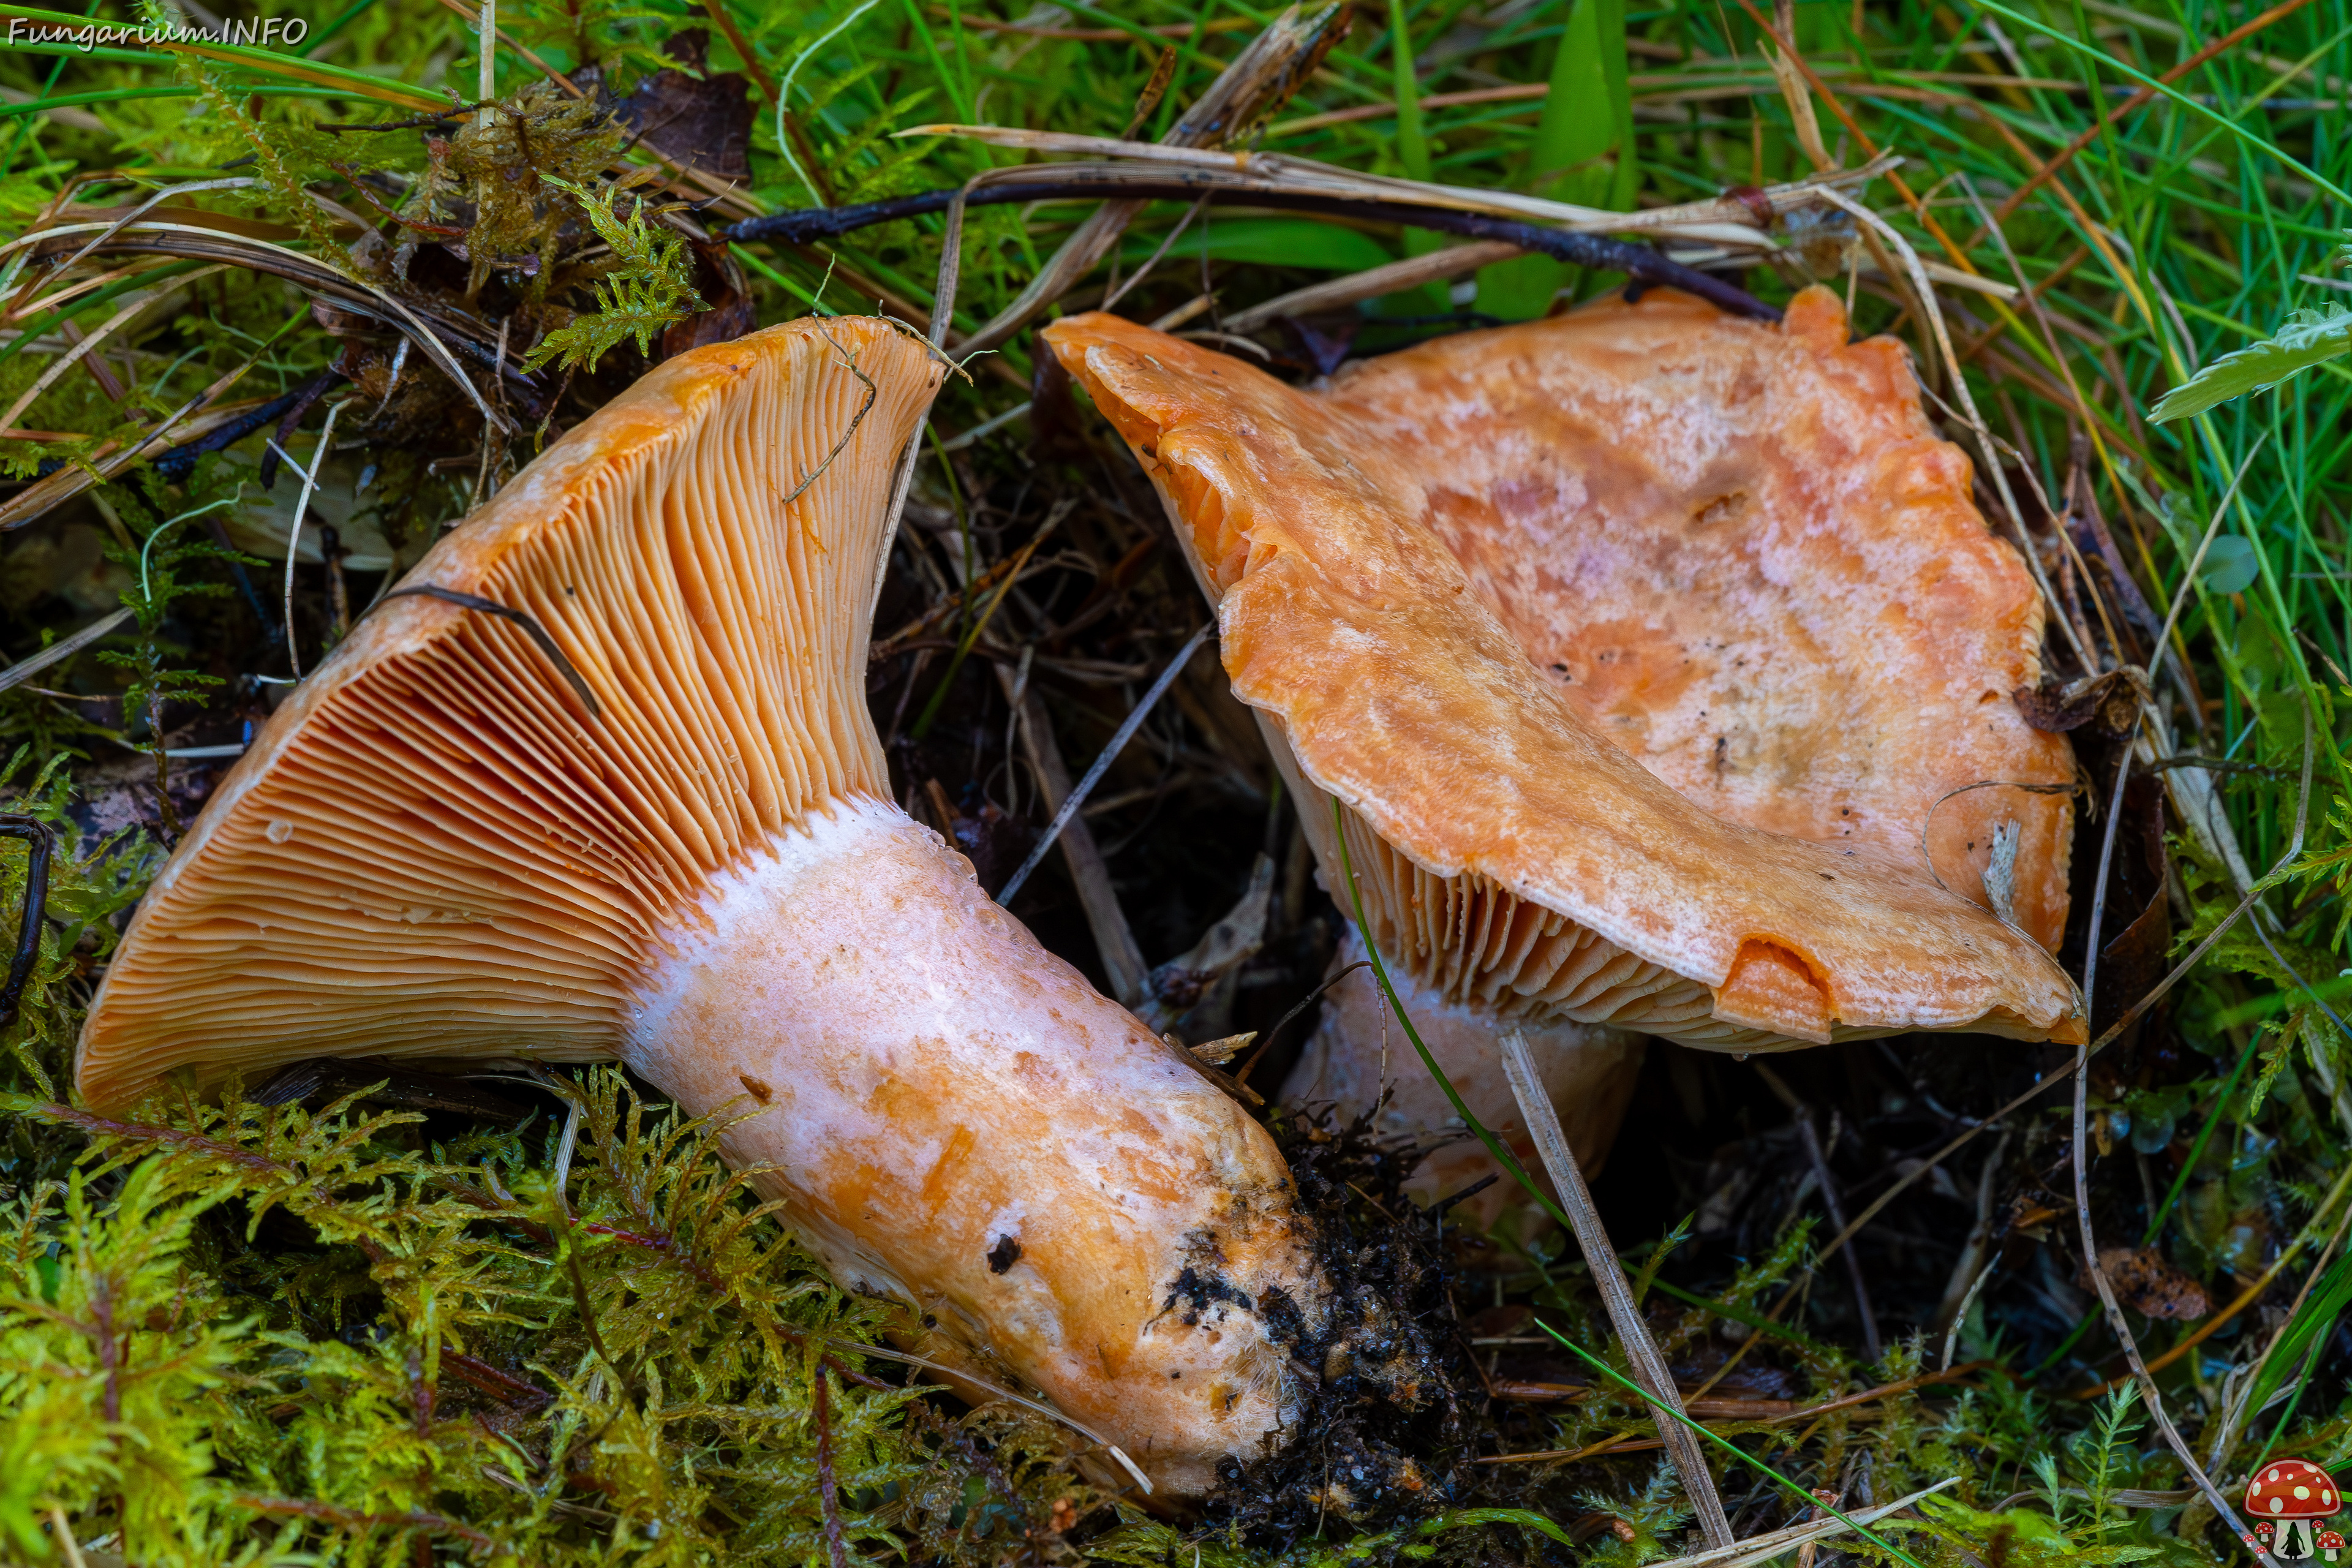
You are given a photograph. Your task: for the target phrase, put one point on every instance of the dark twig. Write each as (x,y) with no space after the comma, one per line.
(827,1490)
(178,462)
(39,844)
(304,396)
(1472,1191)
(1079,181)
(1305,1003)
(1831,1202)
(490,607)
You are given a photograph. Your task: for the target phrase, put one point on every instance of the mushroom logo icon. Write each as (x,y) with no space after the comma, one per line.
(2293,1495)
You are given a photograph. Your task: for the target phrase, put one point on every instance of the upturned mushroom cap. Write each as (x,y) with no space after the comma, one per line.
(671,843)
(1750,563)
(1513,855)
(2292,1488)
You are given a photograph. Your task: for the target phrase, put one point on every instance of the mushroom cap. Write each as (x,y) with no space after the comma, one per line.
(434,848)
(2292,1488)
(1506,851)
(1749,562)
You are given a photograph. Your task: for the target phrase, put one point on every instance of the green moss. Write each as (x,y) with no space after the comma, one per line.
(480,1344)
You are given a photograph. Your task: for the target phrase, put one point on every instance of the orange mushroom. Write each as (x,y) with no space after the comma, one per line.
(1792,612)
(600,783)
(1514,861)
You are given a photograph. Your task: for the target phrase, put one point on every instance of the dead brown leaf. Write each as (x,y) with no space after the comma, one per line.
(2148,1284)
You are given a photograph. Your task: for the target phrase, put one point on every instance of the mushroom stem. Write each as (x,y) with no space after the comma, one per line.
(1587,1073)
(952,1116)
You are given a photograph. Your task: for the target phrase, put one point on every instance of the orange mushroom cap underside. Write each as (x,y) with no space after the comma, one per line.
(1542,867)
(435,847)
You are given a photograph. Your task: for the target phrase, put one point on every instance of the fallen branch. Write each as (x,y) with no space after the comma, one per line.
(1080,182)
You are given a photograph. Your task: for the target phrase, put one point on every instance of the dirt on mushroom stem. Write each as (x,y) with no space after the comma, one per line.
(1388,1427)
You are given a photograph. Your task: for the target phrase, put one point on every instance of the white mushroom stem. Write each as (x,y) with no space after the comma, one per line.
(956,1118)
(1359,1049)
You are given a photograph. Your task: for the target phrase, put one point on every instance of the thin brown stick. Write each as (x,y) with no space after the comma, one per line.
(1111,299)
(718,11)
(1648,1365)
(1122,957)
(1872,1348)
(1311,998)
(63,1535)
(849,362)
(828,1491)
(1765,1412)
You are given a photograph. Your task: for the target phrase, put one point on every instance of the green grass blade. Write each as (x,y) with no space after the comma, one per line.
(2182,99)
(1588,116)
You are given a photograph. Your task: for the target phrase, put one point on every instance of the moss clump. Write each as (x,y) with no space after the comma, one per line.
(237,1332)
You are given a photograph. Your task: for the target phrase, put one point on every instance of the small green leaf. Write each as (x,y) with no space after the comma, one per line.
(651,288)
(2231,564)
(1582,152)
(2309,338)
